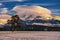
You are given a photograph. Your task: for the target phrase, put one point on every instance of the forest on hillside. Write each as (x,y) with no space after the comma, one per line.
(15,25)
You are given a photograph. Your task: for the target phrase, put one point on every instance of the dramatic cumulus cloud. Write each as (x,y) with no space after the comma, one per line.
(11,0)
(31,12)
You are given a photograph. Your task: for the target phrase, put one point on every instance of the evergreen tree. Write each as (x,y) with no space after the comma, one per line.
(15,25)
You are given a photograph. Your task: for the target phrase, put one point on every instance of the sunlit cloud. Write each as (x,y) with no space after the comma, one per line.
(3,21)
(5,16)
(32,11)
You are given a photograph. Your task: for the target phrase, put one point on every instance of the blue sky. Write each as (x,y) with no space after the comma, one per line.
(53,5)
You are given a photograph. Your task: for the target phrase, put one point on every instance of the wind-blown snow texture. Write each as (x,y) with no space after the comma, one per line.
(25,35)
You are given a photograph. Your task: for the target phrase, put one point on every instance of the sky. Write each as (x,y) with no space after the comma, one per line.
(53,5)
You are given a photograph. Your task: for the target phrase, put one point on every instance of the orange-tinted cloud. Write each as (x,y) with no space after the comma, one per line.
(32,10)
(4,18)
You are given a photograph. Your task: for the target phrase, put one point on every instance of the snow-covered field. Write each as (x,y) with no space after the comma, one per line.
(29,35)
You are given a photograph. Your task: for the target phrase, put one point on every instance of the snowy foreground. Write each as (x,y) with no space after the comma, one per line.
(29,35)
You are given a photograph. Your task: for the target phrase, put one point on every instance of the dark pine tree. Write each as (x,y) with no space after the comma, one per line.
(14,22)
